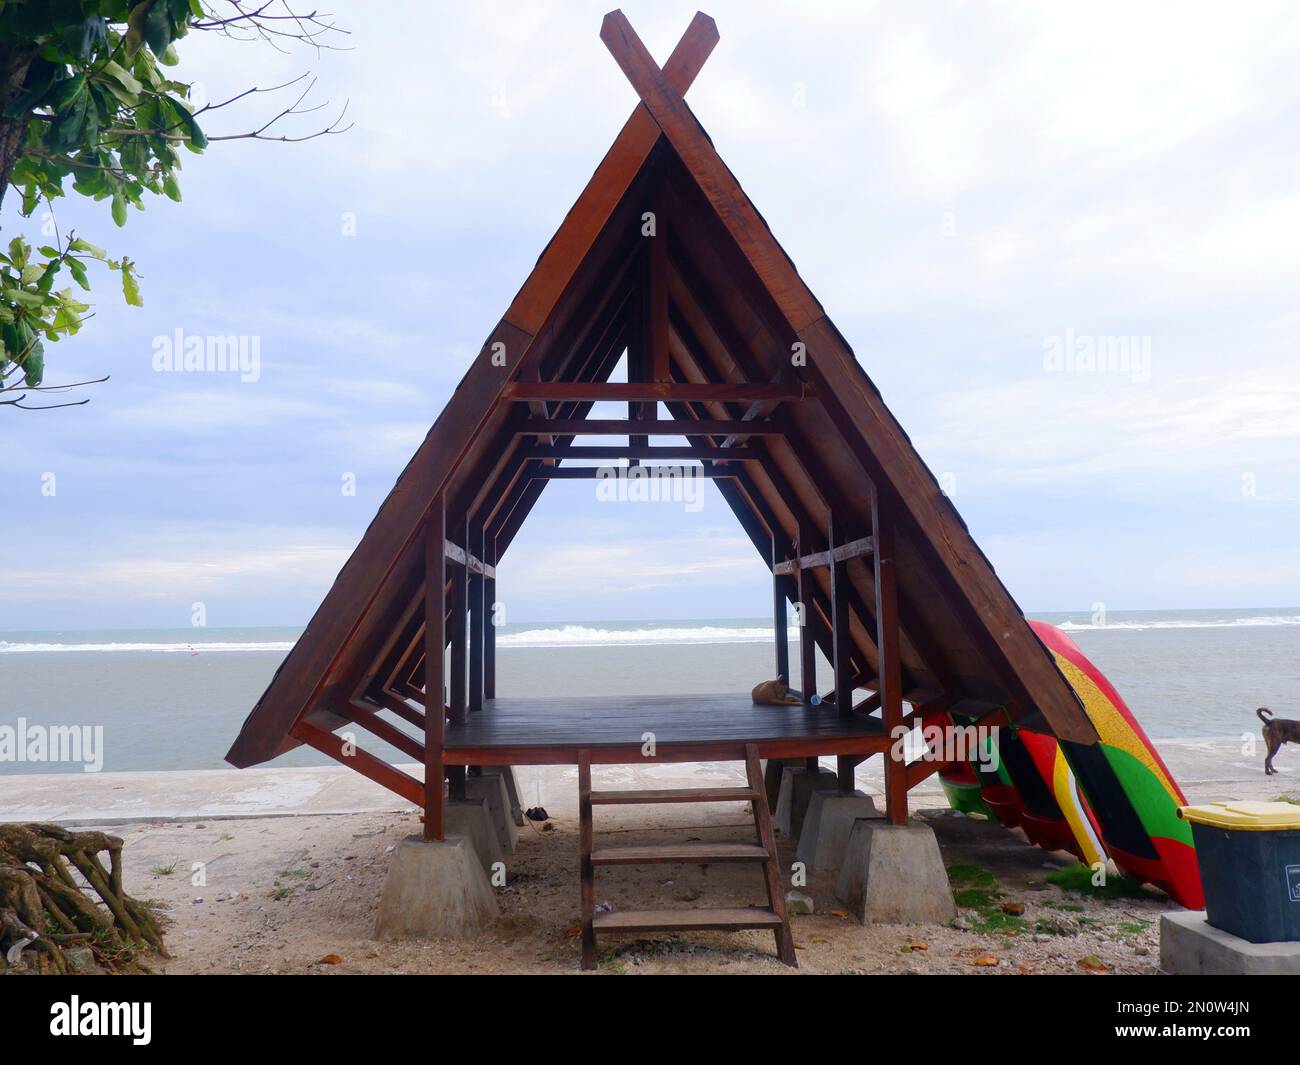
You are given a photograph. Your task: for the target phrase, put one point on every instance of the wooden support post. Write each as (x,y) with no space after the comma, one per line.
(888,644)
(807,644)
(489,621)
(476,619)
(841,643)
(586,871)
(435,610)
(459,662)
(459,609)
(780,622)
(845,764)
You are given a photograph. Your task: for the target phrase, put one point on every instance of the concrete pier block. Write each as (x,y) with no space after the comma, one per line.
(470,818)
(434,891)
(827,825)
(894,874)
(492,787)
(797,787)
(1191,946)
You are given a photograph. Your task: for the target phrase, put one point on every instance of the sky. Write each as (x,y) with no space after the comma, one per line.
(980,195)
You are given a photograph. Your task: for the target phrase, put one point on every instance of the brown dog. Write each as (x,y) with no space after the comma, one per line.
(775,693)
(1277,731)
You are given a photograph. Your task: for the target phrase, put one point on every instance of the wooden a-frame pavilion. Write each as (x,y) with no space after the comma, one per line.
(663,257)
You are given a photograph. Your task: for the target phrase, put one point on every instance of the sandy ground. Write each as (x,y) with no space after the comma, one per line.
(246,889)
(282,894)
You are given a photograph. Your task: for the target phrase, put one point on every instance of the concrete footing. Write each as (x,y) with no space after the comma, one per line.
(492,787)
(827,825)
(1191,946)
(894,874)
(797,787)
(470,818)
(434,891)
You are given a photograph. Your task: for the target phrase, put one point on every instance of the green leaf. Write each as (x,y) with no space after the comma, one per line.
(34,365)
(79,274)
(73,121)
(47,277)
(77,244)
(121,83)
(158,28)
(172,188)
(119,207)
(130,288)
(135,26)
(197,139)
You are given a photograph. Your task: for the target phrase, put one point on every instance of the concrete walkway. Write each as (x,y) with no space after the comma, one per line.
(1207,770)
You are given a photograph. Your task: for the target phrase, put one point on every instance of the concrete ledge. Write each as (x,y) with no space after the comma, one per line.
(512,792)
(1191,946)
(492,787)
(827,826)
(797,788)
(894,874)
(434,891)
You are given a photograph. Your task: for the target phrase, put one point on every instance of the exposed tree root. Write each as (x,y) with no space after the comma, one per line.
(45,909)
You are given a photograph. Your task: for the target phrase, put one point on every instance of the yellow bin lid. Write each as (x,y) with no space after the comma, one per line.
(1245,816)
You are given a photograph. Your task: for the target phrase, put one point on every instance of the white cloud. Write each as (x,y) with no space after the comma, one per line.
(190,562)
(632,566)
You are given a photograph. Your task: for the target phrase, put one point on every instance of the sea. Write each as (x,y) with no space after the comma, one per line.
(167,699)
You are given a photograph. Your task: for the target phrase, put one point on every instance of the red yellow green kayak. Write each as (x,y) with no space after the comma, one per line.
(1116,799)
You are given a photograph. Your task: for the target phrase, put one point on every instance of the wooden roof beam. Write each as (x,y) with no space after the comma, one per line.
(652,392)
(644,427)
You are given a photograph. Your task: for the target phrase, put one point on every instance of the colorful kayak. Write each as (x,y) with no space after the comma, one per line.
(1116,798)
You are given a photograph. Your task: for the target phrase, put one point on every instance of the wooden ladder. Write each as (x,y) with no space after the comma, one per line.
(726,918)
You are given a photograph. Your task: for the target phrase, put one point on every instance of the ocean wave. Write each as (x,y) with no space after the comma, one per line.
(587,636)
(160,648)
(1226,623)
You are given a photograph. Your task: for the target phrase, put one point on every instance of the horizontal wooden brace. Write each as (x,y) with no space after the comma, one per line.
(455,553)
(852,549)
(650,392)
(645,427)
(643,451)
(592,473)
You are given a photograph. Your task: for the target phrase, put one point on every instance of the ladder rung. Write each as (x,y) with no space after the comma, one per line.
(616,798)
(685,920)
(682,853)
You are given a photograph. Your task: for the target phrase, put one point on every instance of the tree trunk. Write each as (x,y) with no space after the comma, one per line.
(14,64)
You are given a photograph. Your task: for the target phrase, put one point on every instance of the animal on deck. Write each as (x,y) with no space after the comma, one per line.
(1277,731)
(775,693)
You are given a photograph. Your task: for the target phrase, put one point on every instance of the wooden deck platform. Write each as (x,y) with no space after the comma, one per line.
(685,727)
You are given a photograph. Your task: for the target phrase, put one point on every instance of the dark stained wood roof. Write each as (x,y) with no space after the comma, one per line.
(736,309)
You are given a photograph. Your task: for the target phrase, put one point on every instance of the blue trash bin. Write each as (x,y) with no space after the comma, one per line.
(1249,854)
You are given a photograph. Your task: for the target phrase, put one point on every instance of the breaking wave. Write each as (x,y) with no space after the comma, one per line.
(160,648)
(1270,621)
